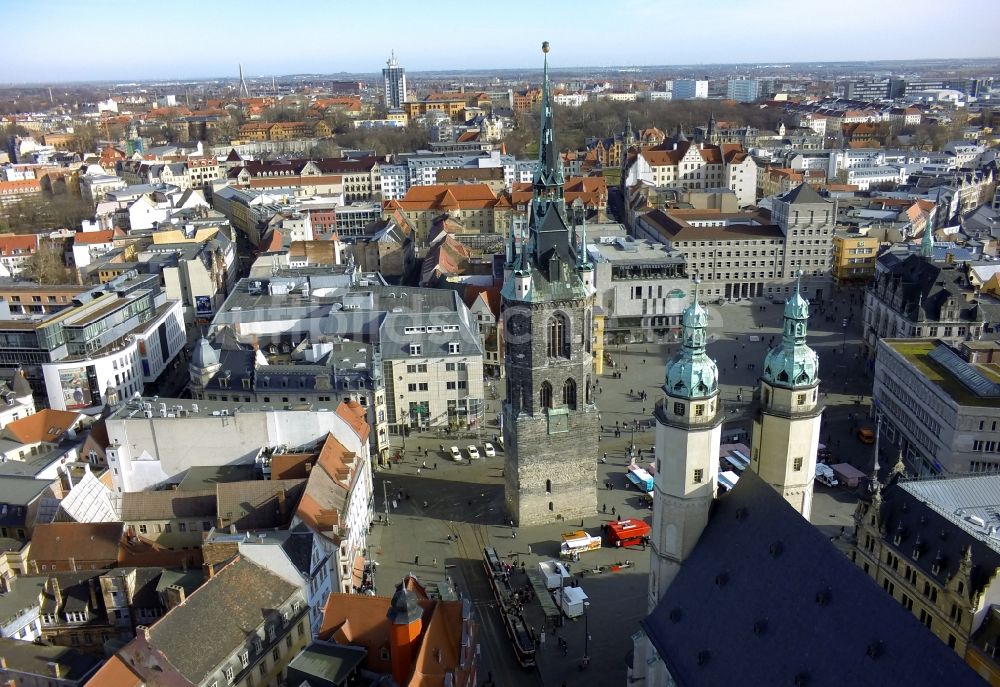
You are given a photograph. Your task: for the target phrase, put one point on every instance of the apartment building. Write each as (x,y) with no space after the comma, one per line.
(751,254)
(16,251)
(424,338)
(914,295)
(475,206)
(13,192)
(854,257)
(257,622)
(266,372)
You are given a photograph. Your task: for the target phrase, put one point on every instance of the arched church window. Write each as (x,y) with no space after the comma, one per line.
(783,376)
(545,396)
(558,336)
(569,394)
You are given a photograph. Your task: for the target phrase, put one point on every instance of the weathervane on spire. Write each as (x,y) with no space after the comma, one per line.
(696,281)
(545,47)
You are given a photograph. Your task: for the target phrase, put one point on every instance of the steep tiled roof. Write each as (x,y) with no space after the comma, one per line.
(46,425)
(115,673)
(82,541)
(237,600)
(356,417)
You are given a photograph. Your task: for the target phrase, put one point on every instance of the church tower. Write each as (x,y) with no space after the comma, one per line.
(787,426)
(549,417)
(688,434)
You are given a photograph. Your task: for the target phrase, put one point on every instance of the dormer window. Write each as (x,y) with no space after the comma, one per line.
(454,347)
(416,349)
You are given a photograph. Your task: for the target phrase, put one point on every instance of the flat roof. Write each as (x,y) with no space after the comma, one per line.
(917,352)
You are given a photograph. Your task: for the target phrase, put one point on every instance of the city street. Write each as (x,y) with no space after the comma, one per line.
(447,499)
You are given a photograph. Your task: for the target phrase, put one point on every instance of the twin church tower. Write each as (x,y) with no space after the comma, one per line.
(550,420)
(689,428)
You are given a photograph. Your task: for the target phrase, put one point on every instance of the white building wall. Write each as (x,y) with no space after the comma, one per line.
(146,452)
(120,368)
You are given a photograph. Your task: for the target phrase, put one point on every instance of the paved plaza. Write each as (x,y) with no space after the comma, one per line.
(435,503)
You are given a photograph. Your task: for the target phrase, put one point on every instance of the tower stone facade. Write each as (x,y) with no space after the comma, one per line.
(550,420)
(688,435)
(787,425)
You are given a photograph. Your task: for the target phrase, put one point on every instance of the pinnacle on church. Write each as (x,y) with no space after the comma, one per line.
(792,363)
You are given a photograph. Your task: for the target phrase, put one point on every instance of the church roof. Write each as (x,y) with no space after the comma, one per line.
(766,599)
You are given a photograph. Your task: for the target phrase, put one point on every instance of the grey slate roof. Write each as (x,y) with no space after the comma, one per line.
(925,286)
(226,609)
(803,193)
(766,599)
(322,664)
(922,513)
(28,657)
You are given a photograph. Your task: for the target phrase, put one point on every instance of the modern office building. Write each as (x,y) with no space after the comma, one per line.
(689,89)
(393,84)
(115,337)
(743,90)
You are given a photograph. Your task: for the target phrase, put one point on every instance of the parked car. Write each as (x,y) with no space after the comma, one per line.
(456,455)
(473,453)
(866,435)
(489,450)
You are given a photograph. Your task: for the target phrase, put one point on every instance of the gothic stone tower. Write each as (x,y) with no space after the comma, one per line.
(786,428)
(688,434)
(550,420)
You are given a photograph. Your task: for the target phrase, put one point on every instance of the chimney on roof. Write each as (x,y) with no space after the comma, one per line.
(175,595)
(72,564)
(92,587)
(55,669)
(56,591)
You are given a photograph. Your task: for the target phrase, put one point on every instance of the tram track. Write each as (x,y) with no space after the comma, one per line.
(470,539)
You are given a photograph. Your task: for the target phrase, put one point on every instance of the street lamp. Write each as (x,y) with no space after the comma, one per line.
(586,636)
(385,499)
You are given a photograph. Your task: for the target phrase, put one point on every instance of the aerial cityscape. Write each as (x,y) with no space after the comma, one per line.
(539,355)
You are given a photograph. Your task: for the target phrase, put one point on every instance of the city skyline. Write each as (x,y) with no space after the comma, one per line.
(310,39)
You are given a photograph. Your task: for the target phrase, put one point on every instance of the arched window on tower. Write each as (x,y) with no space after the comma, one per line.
(545,396)
(558,336)
(589,390)
(569,394)
(587,333)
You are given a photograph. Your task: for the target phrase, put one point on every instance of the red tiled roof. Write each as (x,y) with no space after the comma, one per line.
(46,425)
(82,238)
(11,242)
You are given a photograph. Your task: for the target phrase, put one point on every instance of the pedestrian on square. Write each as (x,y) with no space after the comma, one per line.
(604,509)
(612,510)
(416,560)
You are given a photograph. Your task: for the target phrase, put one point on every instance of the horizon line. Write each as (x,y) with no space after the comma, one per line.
(759,64)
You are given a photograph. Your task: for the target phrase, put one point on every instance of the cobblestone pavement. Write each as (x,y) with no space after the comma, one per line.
(466,499)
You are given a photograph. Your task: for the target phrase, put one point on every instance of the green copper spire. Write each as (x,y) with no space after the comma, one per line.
(927,242)
(792,363)
(691,373)
(550,170)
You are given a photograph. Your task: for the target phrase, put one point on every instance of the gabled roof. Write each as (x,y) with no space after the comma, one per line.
(91,237)
(233,603)
(726,619)
(46,425)
(81,541)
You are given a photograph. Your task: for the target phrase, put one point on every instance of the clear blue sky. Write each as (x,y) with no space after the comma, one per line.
(69,40)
